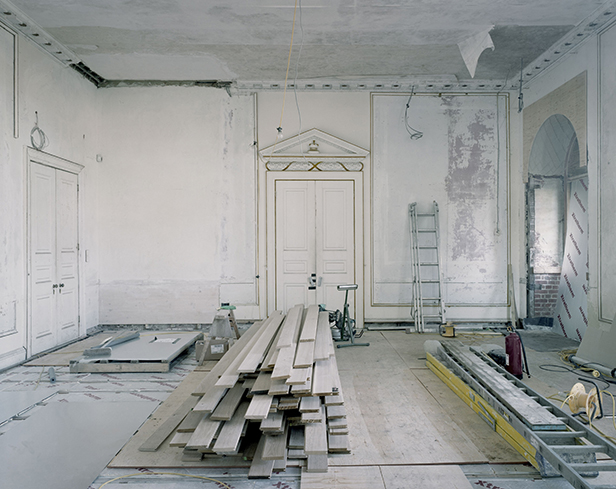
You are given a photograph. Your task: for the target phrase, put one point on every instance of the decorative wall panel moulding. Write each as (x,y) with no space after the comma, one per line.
(314,150)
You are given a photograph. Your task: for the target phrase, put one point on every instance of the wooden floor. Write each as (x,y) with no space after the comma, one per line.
(404,423)
(400,413)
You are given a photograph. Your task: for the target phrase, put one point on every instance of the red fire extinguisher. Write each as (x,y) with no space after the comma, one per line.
(514,348)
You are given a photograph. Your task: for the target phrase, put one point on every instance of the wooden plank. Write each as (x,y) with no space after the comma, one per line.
(316,437)
(321,347)
(309,331)
(337,423)
(311,417)
(290,403)
(156,439)
(262,384)
(210,400)
(281,464)
(284,363)
(323,383)
(334,412)
(302,389)
(229,436)
(310,405)
(304,355)
(290,326)
(274,406)
(180,439)
(296,437)
(231,374)
(534,415)
(210,379)
(338,443)
(275,446)
(298,453)
(273,422)
(204,433)
(227,406)
(279,387)
(190,422)
(260,469)
(269,361)
(191,456)
(260,347)
(259,407)
(317,464)
(299,376)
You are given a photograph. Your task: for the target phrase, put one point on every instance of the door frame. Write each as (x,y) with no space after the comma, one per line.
(270,186)
(57,163)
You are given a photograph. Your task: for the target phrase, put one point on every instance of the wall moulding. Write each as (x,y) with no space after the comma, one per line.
(314,150)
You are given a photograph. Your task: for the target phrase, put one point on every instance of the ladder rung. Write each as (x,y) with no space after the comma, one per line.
(430,281)
(579,448)
(426,230)
(427,247)
(561,434)
(429,264)
(431,298)
(425,214)
(600,467)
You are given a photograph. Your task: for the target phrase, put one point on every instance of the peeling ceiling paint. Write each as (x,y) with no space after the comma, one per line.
(241,40)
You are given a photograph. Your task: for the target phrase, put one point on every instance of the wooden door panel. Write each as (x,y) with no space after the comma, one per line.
(43,253)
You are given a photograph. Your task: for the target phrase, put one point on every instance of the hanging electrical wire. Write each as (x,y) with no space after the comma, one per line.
(413,133)
(299,55)
(284,94)
(38,139)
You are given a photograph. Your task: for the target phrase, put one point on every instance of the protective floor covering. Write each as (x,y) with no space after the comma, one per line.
(67,445)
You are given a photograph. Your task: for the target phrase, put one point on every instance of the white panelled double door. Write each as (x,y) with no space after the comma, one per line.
(315,242)
(54,257)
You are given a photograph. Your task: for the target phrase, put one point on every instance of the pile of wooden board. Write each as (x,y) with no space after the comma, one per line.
(275,396)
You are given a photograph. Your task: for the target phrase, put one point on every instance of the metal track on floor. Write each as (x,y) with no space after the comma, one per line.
(570,452)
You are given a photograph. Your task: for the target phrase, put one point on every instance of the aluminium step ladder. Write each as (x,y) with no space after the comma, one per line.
(570,452)
(428,304)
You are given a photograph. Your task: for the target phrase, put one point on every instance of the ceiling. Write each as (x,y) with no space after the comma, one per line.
(246,42)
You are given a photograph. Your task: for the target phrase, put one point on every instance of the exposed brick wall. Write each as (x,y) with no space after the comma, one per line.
(545,299)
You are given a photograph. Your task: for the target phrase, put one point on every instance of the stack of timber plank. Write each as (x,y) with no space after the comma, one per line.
(274,398)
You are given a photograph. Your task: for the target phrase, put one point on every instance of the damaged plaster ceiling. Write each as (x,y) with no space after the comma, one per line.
(245,41)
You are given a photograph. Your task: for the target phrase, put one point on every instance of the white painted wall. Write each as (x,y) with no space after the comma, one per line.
(409,171)
(69,113)
(461,162)
(177,206)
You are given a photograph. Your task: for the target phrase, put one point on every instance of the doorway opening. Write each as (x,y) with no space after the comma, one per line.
(553,165)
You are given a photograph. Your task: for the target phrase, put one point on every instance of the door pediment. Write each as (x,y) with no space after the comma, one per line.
(314,150)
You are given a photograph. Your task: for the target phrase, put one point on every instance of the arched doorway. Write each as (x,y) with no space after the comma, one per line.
(553,164)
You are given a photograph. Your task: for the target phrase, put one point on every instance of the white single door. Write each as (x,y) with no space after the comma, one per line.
(54,305)
(315,252)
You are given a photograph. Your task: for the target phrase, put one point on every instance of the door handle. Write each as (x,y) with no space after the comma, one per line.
(320,282)
(312,281)
(60,288)
(54,287)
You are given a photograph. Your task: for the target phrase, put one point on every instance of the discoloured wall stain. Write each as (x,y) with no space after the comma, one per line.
(470,181)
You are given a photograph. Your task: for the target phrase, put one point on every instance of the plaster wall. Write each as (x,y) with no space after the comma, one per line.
(178,206)
(69,113)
